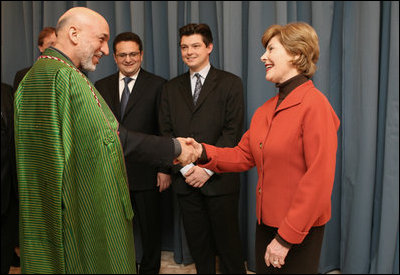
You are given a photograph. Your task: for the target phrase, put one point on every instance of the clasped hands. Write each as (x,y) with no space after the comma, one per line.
(191,151)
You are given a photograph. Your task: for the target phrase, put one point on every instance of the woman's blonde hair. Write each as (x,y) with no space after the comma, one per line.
(298,39)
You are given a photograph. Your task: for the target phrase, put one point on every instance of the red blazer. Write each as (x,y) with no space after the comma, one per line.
(294,149)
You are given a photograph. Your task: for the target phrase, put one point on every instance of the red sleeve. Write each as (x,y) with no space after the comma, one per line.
(236,159)
(312,198)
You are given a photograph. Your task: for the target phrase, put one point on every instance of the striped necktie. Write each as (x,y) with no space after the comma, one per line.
(197,88)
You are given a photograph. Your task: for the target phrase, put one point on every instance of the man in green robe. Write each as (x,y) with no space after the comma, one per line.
(75,210)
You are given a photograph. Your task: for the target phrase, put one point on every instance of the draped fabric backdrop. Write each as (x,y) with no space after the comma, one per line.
(358,72)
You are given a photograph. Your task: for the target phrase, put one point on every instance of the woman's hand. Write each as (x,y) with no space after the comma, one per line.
(275,254)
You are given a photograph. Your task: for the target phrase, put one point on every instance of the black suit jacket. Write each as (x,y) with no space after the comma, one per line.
(9,188)
(141,115)
(19,76)
(216,119)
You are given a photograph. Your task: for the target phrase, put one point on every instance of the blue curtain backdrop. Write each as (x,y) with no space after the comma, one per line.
(358,71)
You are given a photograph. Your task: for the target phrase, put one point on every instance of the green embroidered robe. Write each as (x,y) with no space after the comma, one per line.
(75,210)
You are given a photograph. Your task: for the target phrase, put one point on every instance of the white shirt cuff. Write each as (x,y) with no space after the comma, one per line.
(186,168)
(209,171)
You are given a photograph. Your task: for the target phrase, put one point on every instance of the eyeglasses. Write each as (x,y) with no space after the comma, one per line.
(131,55)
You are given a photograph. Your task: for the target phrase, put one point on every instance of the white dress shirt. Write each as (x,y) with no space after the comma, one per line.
(203,74)
(130,84)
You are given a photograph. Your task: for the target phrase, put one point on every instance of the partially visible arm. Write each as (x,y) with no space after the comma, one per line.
(313,193)
(222,160)
(155,150)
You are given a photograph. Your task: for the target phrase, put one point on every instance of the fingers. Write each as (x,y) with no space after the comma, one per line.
(163,181)
(194,182)
(275,254)
(196,177)
(190,171)
(266,258)
(188,153)
(197,146)
(191,151)
(275,261)
(163,187)
(281,261)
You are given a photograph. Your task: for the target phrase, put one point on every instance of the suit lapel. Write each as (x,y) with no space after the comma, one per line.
(137,91)
(113,93)
(186,90)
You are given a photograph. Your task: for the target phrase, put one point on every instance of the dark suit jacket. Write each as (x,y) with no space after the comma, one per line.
(216,119)
(9,188)
(19,76)
(141,115)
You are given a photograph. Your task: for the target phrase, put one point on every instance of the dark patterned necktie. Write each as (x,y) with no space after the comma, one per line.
(125,96)
(197,88)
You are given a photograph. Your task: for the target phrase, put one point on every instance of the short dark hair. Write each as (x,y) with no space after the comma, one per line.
(127,36)
(202,29)
(44,33)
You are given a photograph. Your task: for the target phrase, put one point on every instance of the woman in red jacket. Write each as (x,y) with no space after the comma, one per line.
(292,140)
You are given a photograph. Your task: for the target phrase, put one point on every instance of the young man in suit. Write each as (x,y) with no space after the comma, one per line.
(206,104)
(139,114)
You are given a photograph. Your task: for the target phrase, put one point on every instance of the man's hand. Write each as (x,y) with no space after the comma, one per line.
(190,151)
(197,146)
(163,181)
(275,254)
(196,177)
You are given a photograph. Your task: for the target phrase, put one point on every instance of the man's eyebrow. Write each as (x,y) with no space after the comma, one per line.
(193,44)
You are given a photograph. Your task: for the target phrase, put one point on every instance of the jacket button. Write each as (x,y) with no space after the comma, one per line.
(260,145)
(259,190)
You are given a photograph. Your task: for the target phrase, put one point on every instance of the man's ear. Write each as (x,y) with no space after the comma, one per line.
(210,48)
(73,34)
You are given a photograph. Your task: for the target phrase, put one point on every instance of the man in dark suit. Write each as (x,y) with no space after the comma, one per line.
(9,188)
(141,93)
(47,37)
(206,104)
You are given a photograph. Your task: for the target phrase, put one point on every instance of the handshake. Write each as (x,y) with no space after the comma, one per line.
(191,151)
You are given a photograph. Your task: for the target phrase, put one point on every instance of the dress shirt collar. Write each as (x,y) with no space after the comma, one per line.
(203,73)
(134,77)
